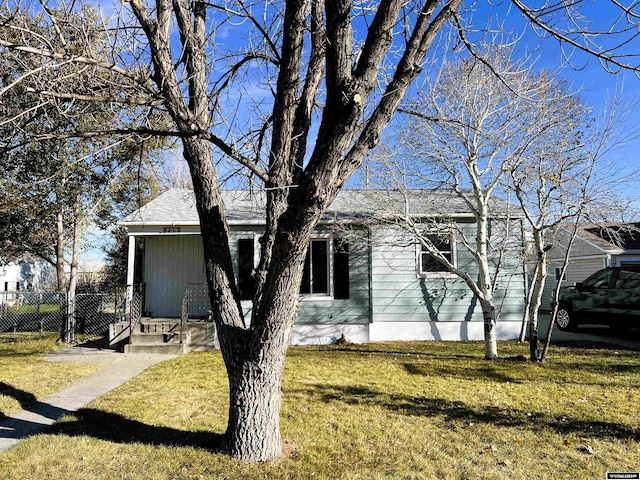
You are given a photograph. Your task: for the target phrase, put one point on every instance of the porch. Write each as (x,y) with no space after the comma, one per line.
(194,330)
(164,335)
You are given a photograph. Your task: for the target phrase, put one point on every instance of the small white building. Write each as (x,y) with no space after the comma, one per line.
(28,275)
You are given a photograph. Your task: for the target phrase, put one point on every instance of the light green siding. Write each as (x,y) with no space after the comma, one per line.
(400,294)
(325,310)
(170,262)
(355,309)
(384,282)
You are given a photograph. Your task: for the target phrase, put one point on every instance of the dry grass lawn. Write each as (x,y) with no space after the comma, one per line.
(417,410)
(25,376)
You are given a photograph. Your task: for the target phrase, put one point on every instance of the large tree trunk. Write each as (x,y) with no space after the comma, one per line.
(253,429)
(254,357)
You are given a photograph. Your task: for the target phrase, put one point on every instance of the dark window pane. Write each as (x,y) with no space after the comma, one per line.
(319,267)
(305,286)
(441,242)
(430,264)
(246,281)
(341,269)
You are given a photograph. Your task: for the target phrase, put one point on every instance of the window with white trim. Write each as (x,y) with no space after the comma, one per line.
(326,268)
(315,278)
(558,272)
(443,242)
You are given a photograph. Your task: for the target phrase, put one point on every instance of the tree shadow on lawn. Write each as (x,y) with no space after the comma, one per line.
(501,372)
(24,398)
(451,411)
(481,372)
(116,428)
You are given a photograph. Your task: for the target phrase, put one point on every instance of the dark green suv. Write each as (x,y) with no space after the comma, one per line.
(610,297)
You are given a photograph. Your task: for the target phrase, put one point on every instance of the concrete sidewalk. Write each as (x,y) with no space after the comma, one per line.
(120,369)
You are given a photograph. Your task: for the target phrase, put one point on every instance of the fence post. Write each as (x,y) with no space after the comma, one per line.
(69,334)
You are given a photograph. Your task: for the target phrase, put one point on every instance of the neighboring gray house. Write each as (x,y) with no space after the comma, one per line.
(596,246)
(362,280)
(23,275)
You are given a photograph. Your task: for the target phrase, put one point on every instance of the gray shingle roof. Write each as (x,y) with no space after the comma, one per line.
(177,206)
(612,236)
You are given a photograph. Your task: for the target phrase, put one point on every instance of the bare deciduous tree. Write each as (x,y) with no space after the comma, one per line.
(349,61)
(466,129)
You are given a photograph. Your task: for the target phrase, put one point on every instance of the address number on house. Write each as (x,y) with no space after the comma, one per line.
(171,230)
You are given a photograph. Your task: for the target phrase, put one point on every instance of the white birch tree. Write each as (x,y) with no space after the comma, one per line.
(468,128)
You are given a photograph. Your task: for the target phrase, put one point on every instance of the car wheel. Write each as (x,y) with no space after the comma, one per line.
(565,318)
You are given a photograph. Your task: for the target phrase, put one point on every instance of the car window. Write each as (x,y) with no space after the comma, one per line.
(599,279)
(628,279)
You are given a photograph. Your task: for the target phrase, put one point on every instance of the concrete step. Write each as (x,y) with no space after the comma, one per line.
(158,327)
(151,338)
(169,348)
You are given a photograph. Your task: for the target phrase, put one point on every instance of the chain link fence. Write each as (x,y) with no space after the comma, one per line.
(46,312)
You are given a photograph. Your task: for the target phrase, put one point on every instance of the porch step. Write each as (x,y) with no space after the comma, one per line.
(152,338)
(168,348)
(157,327)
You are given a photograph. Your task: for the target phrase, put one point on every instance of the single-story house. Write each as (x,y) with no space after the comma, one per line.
(595,247)
(363,280)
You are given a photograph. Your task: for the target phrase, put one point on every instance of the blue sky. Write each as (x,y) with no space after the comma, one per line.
(585,75)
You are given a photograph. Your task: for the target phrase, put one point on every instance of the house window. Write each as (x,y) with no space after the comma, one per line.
(315,278)
(557,272)
(326,268)
(246,280)
(442,241)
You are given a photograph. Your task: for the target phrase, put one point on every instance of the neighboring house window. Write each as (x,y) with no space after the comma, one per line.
(558,271)
(246,280)
(443,242)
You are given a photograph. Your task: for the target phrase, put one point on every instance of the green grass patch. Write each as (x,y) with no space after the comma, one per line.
(26,377)
(416,410)
(44,308)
